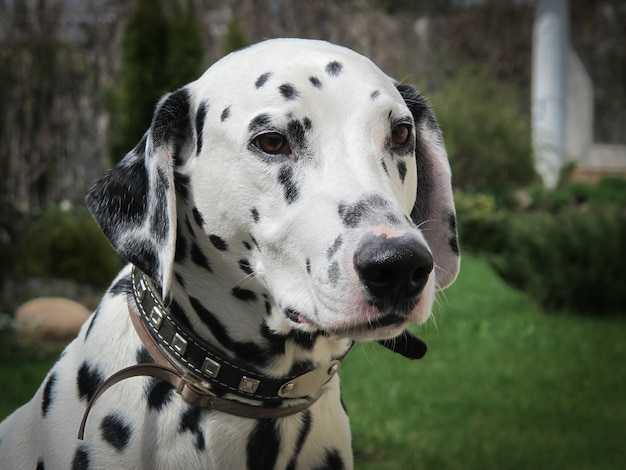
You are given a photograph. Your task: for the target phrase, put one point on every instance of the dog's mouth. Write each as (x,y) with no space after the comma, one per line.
(381,327)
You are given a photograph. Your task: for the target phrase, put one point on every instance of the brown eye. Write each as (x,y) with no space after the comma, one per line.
(272,143)
(400,135)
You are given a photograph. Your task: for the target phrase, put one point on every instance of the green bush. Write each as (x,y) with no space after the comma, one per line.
(572,260)
(609,191)
(66,245)
(482,227)
(486,131)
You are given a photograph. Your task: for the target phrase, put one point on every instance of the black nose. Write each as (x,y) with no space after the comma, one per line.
(392,269)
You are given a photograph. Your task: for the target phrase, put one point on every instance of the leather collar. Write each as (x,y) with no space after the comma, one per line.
(199,373)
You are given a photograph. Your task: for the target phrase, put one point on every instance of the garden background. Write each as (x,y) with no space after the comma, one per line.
(526,357)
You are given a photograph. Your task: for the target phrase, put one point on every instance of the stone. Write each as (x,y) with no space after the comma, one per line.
(51,318)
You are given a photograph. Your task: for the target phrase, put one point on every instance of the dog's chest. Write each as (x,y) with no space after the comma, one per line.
(144,423)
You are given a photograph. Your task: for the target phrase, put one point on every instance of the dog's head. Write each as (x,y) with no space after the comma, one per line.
(330,178)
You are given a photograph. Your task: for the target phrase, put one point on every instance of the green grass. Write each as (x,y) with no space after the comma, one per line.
(502,387)
(19,380)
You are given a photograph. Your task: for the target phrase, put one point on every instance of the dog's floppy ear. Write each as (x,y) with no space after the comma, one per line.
(135,203)
(434,210)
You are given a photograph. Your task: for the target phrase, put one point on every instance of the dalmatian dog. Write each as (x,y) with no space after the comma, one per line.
(292,200)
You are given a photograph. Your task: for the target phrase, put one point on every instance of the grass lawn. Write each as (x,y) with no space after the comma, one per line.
(502,387)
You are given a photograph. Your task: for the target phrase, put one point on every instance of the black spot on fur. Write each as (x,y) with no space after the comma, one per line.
(255,214)
(143,356)
(333,272)
(402,170)
(258,123)
(288,91)
(211,321)
(159,393)
(123,286)
(218,242)
(115,431)
(40,464)
(48,392)
(118,201)
(81,459)
(263,445)
(334,68)
(200,117)
(171,122)
(384,165)
(333,461)
(190,421)
(197,217)
(243,294)
(453,241)
(93,320)
(181,280)
(303,433)
(244,265)
(179,315)
(182,183)
(296,134)
(180,254)
(286,179)
(315,82)
(306,122)
(262,80)
(353,214)
(375,94)
(225,114)
(308,266)
(247,245)
(199,258)
(159,220)
(392,218)
(335,246)
(89,378)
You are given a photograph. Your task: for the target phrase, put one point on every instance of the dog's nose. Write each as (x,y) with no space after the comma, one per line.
(392,269)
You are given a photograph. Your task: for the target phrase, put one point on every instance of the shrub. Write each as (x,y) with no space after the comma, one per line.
(482,228)
(487,133)
(609,191)
(67,245)
(572,260)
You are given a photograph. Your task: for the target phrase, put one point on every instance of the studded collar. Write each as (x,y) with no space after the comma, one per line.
(211,367)
(201,375)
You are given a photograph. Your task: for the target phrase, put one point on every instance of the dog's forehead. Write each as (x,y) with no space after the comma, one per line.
(294,67)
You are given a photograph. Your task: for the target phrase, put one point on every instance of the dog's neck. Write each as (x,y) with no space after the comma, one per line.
(215,295)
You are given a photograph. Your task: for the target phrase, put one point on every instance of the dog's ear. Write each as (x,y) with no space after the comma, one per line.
(434,210)
(135,203)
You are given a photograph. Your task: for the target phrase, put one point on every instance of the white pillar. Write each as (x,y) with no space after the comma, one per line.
(549,80)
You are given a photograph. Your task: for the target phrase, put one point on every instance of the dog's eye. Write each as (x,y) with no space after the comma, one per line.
(400,135)
(272,143)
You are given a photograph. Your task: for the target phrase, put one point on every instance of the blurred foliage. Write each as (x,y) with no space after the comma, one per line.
(481,225)
(161,51)
(234,38)
(572,260)
(609,191)
(565,247)
(486,131)
(66,245)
